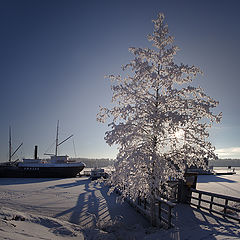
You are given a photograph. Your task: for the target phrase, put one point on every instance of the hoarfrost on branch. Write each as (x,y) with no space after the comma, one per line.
(159,121)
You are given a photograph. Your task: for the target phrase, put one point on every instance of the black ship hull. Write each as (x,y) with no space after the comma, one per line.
(12,171)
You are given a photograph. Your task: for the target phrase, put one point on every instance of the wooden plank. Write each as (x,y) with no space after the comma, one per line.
(233,208)
(207,201)
(234,199)
(165,201)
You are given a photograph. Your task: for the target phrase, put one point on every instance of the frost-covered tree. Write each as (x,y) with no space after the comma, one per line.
(158,120)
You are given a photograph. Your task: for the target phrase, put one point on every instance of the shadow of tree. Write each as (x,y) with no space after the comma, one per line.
(129,214)
(85,211)
(94,205)
(213,178)
(19,181)
(71,184)
(200,224)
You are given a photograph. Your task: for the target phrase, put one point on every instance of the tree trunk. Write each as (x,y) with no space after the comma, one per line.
(153,210)
(153,183)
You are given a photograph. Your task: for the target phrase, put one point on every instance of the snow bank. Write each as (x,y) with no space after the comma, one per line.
(22,226)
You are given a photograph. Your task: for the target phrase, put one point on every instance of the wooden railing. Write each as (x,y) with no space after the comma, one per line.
(165,215)
(165,212)
(214,200)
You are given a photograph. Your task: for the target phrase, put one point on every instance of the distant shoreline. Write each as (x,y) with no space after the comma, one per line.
(104,162)
(224,163)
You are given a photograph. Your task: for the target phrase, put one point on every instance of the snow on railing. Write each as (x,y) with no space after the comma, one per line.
(216,203)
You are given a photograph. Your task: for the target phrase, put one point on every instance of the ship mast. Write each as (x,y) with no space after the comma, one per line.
(10,145)
(57,139)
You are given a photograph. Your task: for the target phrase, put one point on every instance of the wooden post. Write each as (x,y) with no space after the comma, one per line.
(138,198)
(159,210)
(199,200)
(225,207)
(145,203)
(211,203)
(169,216)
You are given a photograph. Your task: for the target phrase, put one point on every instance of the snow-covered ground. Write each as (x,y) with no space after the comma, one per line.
(77,208)
(222,184)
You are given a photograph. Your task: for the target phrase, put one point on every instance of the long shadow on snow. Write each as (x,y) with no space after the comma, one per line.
(96,205)
(85,212)
(192,223)
(15,181)
(76,183)
(212,178)
(117,208)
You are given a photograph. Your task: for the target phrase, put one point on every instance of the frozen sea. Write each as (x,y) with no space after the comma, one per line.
(76,208)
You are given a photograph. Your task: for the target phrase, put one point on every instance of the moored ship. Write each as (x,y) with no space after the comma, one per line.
(55,167)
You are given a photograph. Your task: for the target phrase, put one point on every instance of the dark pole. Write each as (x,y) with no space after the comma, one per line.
(35,152)
(10,145)
(57,139)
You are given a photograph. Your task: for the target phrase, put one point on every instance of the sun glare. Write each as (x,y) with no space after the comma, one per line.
(179,134)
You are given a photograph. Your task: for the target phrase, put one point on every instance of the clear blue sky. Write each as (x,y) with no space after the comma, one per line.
(54,56)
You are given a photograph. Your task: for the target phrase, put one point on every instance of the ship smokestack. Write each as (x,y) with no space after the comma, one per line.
(35,152)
